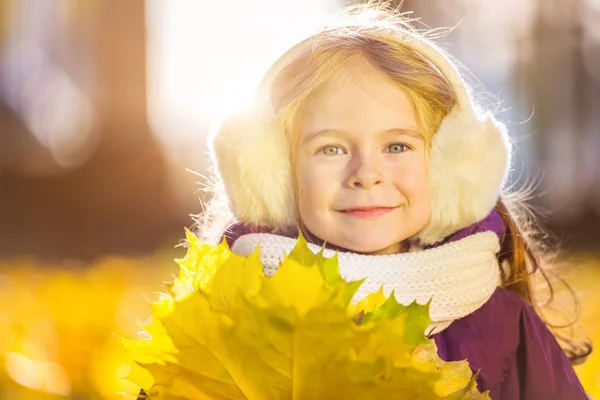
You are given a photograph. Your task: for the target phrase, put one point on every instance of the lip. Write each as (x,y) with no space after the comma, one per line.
(367,212)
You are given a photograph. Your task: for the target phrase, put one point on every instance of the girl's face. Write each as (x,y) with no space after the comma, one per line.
(361,166)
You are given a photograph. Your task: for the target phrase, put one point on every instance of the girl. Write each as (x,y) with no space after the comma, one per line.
(366,136)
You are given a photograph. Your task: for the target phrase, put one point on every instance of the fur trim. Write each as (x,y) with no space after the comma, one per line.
(469,163)
(254,165)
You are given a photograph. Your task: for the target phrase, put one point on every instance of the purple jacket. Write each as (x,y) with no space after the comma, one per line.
(516,355)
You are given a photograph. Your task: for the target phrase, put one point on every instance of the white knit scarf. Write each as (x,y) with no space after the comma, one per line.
(458,277)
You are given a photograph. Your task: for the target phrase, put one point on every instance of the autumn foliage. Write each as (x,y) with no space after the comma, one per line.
(224,330)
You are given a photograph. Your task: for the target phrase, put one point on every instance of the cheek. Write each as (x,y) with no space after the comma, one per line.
(420,185)
(414,182)
(419,196)
(316,190)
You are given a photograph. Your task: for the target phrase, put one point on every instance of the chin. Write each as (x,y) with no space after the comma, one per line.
(366,247)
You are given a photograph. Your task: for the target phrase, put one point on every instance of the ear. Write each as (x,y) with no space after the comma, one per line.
(253,160)
(469,164)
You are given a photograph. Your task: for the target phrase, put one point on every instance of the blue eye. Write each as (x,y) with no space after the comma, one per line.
(331,150)
(396,148)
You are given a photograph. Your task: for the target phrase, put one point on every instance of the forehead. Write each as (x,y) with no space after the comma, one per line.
(362,99)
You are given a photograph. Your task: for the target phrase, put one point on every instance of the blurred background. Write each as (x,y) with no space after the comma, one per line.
(104,110)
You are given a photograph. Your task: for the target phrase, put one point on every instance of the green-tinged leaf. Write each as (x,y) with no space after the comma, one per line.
(417,317)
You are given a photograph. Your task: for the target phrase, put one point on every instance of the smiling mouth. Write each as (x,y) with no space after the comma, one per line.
(367,212)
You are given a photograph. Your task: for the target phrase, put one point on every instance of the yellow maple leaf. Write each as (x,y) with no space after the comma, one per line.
(368,304)
(226,331)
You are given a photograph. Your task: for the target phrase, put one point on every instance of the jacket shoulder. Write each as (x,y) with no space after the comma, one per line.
(512,349)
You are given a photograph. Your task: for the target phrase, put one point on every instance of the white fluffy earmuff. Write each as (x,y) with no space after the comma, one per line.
(469,158)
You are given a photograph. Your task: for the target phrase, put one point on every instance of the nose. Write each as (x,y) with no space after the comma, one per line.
(365,173)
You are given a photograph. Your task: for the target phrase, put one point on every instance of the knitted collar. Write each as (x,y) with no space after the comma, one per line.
(458,274)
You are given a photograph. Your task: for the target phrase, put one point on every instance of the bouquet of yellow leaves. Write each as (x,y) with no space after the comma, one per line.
(225,330)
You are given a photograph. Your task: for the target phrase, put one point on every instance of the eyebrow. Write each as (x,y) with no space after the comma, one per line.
(387,132)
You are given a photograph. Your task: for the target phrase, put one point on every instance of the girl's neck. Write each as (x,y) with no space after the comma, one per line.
(397,248)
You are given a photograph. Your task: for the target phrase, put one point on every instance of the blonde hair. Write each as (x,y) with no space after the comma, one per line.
(370,36)
(336,53)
